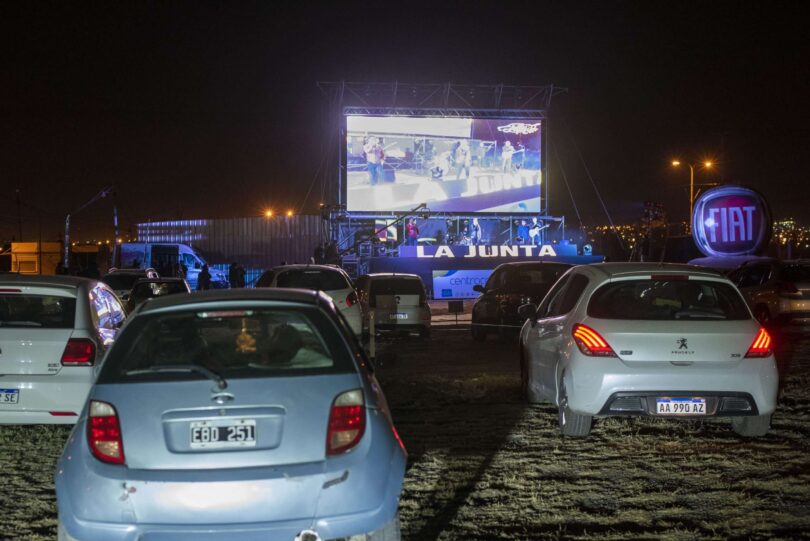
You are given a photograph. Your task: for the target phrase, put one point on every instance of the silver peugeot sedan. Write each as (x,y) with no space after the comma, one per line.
(647,339)
(236,415)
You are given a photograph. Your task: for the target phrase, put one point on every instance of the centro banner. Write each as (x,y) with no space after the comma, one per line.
(458,284)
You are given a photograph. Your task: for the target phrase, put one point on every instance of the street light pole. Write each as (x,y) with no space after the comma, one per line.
(691,194)
(706,164)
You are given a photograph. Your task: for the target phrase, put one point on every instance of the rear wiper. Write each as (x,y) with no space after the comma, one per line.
(207,372)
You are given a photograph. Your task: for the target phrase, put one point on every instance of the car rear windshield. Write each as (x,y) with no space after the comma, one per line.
(318,279)
(667,300)
(147,290)
(41,311)
(519,279)
(397,286)
(122,281)
(231,342)
(796,273)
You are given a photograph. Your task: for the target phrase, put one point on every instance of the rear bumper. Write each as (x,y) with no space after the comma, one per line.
(100,502)
(794,320)
(643,403)
(65,392)
(592,383)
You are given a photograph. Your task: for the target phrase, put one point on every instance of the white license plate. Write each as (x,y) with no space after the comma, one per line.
(222,434)
(397,316)
(680,406)
(9,396)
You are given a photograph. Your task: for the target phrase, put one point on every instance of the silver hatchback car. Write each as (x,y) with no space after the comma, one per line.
(235,415)
(647,339)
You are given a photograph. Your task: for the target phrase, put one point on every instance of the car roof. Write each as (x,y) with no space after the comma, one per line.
(623,269)
(130,271)
(313,266)
(302,296)
(393,275)
(159,280)
(532,264)
(67,282)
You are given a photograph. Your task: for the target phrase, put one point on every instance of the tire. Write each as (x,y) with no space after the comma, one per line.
(530,396)
(751,427)
(572,424)
(479,333)
(390,532)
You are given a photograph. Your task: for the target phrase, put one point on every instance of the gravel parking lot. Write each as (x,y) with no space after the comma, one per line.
(483,465)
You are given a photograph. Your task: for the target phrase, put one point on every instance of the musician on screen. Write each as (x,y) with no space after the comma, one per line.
(534,232)
(375,158)
(506,155)
(463,158)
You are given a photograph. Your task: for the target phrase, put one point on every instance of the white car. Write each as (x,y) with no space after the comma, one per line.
(53,332)
(123,280)
(327,278)
(647,339)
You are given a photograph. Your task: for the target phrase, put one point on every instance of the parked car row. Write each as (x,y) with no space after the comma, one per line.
(231,414)
(397,301)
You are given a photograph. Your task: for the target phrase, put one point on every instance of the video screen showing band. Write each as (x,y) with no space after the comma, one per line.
(395,163)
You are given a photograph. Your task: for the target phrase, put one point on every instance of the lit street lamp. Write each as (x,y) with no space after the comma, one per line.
(707,165)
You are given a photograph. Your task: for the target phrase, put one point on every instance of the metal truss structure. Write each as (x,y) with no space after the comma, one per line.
(449,100)
(441,99)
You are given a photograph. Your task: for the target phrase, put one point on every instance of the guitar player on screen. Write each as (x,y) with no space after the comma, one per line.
(534,232)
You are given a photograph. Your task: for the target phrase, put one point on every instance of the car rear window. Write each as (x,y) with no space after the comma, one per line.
(658,300)
(397,286)
(520,278)
(42,311)
(318,279)
(232,342)
(148,290)
(122,281)
(796,273)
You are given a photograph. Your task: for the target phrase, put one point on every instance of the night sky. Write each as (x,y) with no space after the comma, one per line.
(208,109)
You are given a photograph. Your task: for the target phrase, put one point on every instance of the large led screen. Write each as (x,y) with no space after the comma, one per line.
(395,163)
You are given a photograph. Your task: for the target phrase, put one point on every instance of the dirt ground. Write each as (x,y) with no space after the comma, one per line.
(484,466)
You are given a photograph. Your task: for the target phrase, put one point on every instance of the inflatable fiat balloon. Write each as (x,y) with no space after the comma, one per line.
(731,221)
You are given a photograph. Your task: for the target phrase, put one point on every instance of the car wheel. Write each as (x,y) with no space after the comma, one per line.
(390,532)
(526,391)
(572,424)
(751,427)
(479,333)
(62,535)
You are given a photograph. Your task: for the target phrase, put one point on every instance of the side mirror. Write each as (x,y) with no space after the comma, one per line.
(197,265)
(528,311)
(479,288)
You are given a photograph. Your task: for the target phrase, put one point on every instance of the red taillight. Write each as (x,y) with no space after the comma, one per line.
(347,422)
(9,290)
(104,433)
(63,413)
(79,352)
(351,299)
(761,346)
(591,343)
